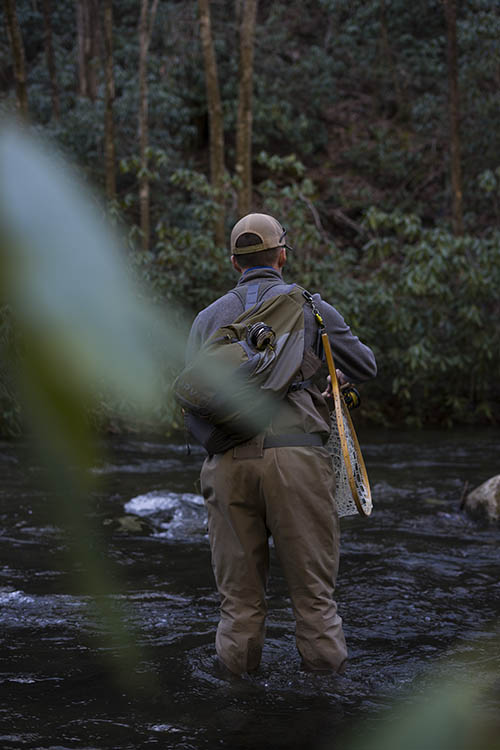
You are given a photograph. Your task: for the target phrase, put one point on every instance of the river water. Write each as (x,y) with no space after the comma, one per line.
(418,589)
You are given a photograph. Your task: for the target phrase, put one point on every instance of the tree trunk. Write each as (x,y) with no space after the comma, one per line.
(388,63)
(244,121)
(87,23)
(215,118)
(17,46)
(80,31)
(109,135)
(94,47)
(237,12)
(146,22)
(49,55)
(454,116)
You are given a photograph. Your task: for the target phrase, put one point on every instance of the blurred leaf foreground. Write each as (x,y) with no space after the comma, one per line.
(83,329)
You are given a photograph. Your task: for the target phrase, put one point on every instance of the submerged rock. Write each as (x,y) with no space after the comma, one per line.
(484,501)
(129,524)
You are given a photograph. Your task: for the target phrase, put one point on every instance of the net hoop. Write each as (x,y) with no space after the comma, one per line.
(343,420)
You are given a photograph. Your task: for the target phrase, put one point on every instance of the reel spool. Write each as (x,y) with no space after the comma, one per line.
(260,336)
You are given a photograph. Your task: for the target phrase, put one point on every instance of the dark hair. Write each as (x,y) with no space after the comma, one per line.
(262,258)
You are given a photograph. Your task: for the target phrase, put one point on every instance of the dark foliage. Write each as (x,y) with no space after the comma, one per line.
(350,151)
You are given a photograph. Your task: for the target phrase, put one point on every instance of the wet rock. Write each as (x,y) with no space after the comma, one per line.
(129,524)
(484,501)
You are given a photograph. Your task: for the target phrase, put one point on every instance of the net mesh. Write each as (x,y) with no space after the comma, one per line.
(343,495)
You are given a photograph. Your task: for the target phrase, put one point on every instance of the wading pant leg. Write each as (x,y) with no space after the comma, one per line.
(240,556)
(299,487)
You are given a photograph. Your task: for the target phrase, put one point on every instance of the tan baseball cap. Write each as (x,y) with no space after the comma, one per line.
(266,230)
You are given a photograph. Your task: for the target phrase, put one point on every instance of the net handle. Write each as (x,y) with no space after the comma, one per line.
(339,409)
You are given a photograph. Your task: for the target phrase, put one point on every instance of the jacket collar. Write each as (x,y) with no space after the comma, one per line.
(259,273)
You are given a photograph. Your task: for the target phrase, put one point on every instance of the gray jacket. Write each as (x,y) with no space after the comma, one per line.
(303,410)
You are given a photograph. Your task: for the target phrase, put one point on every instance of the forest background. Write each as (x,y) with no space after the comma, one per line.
(370,129)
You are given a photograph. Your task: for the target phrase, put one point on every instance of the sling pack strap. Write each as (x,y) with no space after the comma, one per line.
(294,440)
(250,294)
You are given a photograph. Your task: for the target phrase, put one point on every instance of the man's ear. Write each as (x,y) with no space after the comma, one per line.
(282,258)
(236,265)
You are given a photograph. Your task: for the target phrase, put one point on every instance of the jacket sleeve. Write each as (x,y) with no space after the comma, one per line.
(195,340)
(354,358)
(220,313)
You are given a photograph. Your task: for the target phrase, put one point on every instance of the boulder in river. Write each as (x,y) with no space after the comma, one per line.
(484,501)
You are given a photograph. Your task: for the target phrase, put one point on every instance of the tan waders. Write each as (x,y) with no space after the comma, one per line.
(286,492)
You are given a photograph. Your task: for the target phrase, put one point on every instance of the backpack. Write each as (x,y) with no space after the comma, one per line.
(233,387)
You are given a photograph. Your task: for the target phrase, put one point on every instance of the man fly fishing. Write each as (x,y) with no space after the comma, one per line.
(280,482)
